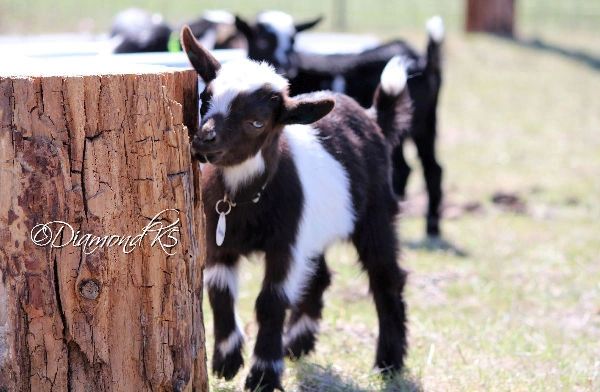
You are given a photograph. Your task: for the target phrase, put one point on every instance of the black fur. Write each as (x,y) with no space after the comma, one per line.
(361,141)
(310,305)
(360,73)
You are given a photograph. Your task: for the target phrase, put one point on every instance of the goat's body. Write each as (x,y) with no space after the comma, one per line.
(332,182)
(289,177)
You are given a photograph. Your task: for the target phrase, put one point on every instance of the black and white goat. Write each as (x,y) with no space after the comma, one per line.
(136,30)
(272,39)
(357,75)
(287,177)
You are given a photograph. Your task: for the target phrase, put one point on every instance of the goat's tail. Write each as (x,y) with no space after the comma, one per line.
(436,32)
(391,103)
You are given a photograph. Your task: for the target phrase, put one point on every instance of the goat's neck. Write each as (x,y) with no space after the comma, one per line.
(243,182)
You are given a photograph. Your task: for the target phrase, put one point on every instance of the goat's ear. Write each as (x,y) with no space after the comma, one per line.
(244,28)
(308,25)
(203,62)
(305,111)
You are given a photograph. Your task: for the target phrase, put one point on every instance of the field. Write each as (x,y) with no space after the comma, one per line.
(509,299)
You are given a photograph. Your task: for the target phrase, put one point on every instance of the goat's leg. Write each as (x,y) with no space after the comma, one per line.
(433,178)
(400,171)
(221,280)
(377,246)
(300,337)
(271,305)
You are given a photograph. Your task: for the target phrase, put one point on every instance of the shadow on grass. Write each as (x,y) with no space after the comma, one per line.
(315,378)
(436,244)
(573,54)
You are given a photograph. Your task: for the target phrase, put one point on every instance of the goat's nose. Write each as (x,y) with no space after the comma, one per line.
(208,133)
(209,136)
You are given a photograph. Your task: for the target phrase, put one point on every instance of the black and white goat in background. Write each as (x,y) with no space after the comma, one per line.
(287,177)
(135,30)
(357,75)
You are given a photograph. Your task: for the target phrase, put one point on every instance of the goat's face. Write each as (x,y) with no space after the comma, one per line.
(272,38)
(244,107)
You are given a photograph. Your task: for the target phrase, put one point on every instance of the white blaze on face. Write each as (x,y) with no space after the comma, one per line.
(282,25)
(241,76)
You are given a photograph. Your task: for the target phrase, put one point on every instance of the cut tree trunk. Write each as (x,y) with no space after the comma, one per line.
(491,16)
(104,153)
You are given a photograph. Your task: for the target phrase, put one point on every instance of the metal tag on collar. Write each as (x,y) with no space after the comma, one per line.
(223,208)
(259,194)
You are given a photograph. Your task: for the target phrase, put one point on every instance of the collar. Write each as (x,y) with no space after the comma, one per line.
(226,204)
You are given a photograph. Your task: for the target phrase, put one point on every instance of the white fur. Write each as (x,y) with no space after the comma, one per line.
(262,364)
(219,16)
(435,28)
(241,76)
(393,77)
(282,25)
(339,84)
(238,175)
(222,277)
(327,213)
(303,325)
(232,341)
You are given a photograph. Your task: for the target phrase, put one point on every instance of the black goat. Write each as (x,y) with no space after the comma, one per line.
(357,75)
(288,177)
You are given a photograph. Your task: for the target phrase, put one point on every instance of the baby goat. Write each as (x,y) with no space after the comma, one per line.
(357,75)
(287,177)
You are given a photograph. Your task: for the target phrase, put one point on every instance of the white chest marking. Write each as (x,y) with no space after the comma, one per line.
(327,213)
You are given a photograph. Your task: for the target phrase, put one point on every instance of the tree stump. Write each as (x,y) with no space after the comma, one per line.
(491,16)
(104,152)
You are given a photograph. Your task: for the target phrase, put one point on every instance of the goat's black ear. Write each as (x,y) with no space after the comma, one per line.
(305,111)
(203,62)
(244,28)
(308,25)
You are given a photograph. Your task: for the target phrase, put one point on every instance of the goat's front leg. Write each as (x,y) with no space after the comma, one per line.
(221,279)
(271,305)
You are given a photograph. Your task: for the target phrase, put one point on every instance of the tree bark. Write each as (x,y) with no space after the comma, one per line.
(491,16)
(104,154)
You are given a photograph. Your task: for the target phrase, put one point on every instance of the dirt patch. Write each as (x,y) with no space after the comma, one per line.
(509,202)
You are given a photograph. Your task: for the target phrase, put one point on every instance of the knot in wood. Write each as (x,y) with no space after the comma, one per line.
(89,289)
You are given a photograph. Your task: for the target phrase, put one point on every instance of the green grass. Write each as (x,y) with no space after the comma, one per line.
(382,17)
(511,301)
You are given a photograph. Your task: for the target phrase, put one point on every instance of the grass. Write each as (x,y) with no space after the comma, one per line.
(510,300)
(382,17)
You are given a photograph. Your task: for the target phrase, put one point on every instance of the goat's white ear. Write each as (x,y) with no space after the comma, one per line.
(243,27)
(308,25)
(203,62)
(305,111)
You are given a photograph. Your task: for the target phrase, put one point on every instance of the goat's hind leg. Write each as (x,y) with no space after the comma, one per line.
(377,246)
(221,280)
(400,171)
(303,324)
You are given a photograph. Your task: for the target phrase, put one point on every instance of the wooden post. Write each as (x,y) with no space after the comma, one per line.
(104,154)
(491,16)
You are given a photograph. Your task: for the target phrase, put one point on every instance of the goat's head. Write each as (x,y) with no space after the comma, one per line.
(272,38)
(244,106)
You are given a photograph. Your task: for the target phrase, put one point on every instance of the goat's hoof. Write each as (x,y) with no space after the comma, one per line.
(263,380)
(433,229)
(227,366)
(300,346)
(390,367)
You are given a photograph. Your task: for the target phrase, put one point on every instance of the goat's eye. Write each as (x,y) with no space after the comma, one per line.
(257,124)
